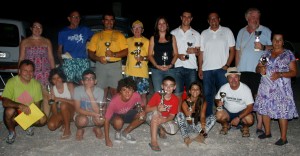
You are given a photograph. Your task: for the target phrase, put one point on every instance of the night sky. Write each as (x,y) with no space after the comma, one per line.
(277,15)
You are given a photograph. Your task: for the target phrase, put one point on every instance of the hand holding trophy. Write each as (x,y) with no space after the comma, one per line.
(51,101)
(264,60)
(190,109)
(164,58)
(257,38)
(102,109)
(223,95)
(137,53)
(190,44)
(163,93)
(107,44)
(139,109)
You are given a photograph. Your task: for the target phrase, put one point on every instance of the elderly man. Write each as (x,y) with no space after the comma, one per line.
(235,104)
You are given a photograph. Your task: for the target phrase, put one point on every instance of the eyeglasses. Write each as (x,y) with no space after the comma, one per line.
(36,26)
(88,79)
(77,17)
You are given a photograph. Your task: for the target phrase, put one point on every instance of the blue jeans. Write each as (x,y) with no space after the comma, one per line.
(212,82)
(184,76)
(158,76)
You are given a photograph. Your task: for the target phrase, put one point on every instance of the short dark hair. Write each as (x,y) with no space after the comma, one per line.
(169,78)
(27,62)
(108,13)
(88,71)
(59,72)
(127,82)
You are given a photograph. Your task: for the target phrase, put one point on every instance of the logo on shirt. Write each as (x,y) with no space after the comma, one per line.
(76,37)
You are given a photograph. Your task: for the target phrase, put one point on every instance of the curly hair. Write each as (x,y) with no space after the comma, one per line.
(59,72)
(128,83)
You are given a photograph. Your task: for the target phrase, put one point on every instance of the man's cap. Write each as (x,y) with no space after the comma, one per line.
(232,70)
(137,22)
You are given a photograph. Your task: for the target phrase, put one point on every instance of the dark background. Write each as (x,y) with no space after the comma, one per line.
(277,15)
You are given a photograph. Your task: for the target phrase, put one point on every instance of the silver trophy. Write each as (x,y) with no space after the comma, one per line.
(162,94)
(137,53)
(190,109)
(257,38)
(164,58)
(102,109)
(107,44)
(51,101)
(264,60)
(190,44)
(139,109)
(223,95)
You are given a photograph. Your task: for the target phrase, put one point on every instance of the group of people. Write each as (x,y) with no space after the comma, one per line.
(180,59)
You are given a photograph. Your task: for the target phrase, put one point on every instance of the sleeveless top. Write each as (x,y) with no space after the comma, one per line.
(159,49)
(66,94)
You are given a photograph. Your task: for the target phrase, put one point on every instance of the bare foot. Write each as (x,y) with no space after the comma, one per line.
(187,141)
(66,135)
(200,138)
(79,134)
(98,133)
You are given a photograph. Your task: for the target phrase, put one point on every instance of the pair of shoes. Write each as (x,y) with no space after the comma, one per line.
(29,131)
(259,131)
(155,148)
(128,138)
(118,136)
(224,130)
(264,136)
(11,137)
(280,142)
(245,132)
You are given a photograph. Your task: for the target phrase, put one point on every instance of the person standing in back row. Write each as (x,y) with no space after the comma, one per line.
(71,51)
(247,58)
(188,43)
(216,55)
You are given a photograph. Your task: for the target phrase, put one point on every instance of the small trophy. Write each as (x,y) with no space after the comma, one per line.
(164,58)
(139,109)
(137,53)
(190,108)
(107,44)
(257,38)
(102,109)
(51,101)
(264,60)
(163,93)
(190,44)
(223,95)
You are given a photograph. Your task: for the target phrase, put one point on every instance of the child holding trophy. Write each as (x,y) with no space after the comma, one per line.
(161,109)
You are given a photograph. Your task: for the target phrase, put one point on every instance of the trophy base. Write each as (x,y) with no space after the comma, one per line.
(257,50)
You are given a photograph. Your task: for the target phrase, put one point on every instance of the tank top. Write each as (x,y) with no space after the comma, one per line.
(66,94)
(159,49)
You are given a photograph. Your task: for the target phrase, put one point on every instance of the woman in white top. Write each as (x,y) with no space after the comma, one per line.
(63,108)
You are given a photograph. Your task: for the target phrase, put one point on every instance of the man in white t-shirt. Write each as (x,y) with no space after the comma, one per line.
(235,103)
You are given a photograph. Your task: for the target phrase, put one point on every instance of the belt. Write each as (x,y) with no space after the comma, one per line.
(112,61)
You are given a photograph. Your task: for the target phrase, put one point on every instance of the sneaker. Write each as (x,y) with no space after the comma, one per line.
(11,137)
(29,131)
(128,138)
(118,137)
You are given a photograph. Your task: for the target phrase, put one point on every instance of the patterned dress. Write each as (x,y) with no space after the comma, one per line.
(275,98)
(39,56)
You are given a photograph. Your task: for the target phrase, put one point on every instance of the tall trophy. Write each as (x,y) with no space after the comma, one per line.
(162,94)
(107,44)
(137,53)
(190,44)
(264,60)
(102,109)
(257,38)
(51,101)
(190,109)
(164,58)
(223,95)
(139,109)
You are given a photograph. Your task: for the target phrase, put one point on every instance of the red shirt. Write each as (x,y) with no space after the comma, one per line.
(172,103)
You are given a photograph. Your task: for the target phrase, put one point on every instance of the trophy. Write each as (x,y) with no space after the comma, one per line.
(163,93)
(190,44)
(139,109)
(257,38)
(137,53)
(264,60)
(165,58)
(190,109)
(51,101)
(102,109)
(107,44)
(223,95)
